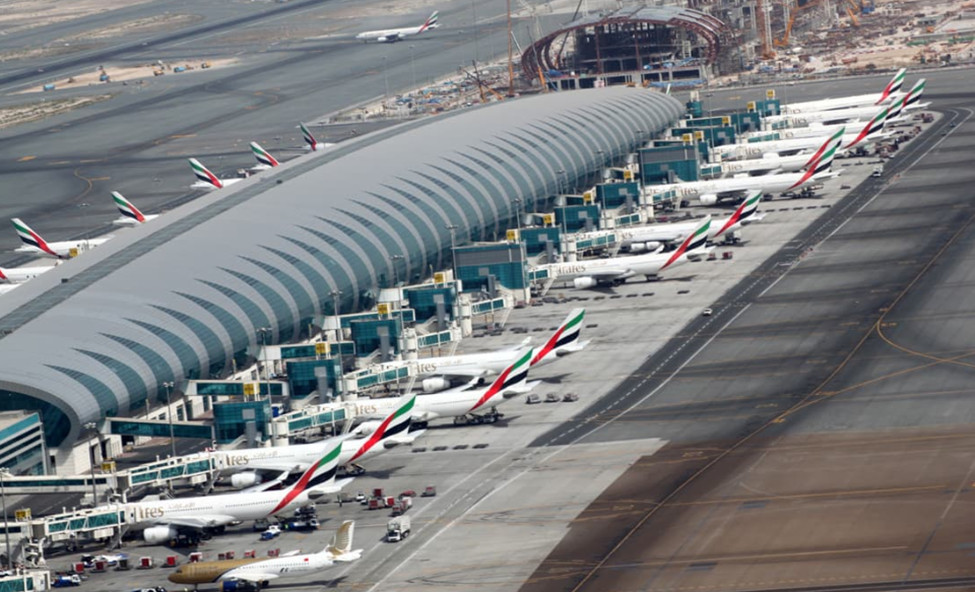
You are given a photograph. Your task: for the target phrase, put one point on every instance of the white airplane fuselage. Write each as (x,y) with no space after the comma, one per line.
(776,183)
(64,249)
(19,275)
(293,565)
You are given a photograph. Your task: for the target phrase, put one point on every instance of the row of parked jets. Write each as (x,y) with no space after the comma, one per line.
(489,379)
(34,244)
(264,476)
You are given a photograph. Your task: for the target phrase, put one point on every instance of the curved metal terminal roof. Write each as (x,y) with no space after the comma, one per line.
(181,296)
(711,29)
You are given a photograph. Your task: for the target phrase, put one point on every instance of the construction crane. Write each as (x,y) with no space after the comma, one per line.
(851,10)
(784,41)
(764,29)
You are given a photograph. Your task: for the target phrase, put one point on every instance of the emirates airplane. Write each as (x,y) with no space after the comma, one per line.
(393,35)
(34,243)
(206,179)
(161,520)
(131,216)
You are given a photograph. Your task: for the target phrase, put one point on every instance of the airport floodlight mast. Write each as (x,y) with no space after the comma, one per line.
(92,428)
(169,414)
(5,474)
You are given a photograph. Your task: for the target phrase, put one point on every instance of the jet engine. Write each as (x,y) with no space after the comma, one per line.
(708,199)
(245,479)
(644,247)
(432,385)
(158,535)
(583,283)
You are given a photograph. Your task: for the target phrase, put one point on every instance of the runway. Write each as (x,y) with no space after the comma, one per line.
(818,423)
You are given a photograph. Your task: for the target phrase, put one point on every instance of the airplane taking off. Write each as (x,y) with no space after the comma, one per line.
(206,179)
(888,93)
(640,239)
(393,35)
(264,159)
(261,571)
(614,271)
(710,191)
(131,216)
(245,463)
(466,404)
(162,519)
(564,340)
(33,243)
(313,144)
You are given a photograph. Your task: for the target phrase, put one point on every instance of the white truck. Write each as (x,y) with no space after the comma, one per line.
(398,529)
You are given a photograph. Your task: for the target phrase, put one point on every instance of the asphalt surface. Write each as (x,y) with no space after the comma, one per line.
(860,326)
(296,61)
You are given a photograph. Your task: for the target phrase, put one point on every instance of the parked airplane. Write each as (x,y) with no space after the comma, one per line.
(872,130)
(11,276)
(470,403)
(614,271)
(33,243)
(393,35)
(768,163)
(260,571)
(206,179)
(244,464)
(163,519)
(639,239)
(131,216)
(812,130)
(889,92)
(710,191)
(564,340)
(264,159)
(313,144)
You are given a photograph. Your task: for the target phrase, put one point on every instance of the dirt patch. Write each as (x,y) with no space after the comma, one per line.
(127,73)
(18,114)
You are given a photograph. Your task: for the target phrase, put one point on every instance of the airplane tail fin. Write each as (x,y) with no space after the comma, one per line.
(837,135)
(318,474)
(340,548)
(914,95)
(397,422)
(3,276)
(309,139)
(893,86)
(565,338)
(821,165)
(873,127)
(203,174)
(263,156)
(127,208)
(514,376)
(695,241)
(31,238)
(747,210)
(431,23)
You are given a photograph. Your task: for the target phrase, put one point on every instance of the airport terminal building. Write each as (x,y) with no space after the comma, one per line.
(184,295)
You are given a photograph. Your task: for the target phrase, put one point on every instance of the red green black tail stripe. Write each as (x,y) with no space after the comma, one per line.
(203,174)
(512,375)
(696,240)
(31,238)
(746,210)
(309,139)
(319,472)
(397,422)
(564,335)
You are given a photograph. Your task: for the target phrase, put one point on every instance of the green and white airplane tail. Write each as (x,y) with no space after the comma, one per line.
(565,339)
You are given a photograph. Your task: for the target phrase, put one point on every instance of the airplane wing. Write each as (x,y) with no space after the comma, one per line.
(264,486)
(334,488)
(254,577)
(607,273)
(199,521)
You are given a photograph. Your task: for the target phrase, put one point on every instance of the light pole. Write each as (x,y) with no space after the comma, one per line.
(517,201)
(4,474)
(336,296)
(264,331)
(385,86)
(412,67)
(169,414)
(394,259)
(92,429)
(453,267)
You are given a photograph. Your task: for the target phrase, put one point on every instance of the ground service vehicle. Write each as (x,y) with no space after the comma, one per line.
(397,529)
